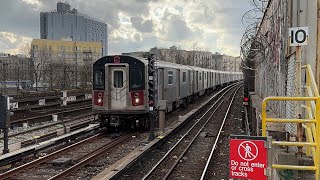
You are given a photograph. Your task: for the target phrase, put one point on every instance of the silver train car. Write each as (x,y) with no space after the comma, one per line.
(120,88)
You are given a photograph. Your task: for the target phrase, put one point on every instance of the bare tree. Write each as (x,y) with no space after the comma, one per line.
(40,64)
(25,49)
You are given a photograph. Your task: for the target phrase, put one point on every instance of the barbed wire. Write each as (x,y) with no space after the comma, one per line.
(259,41)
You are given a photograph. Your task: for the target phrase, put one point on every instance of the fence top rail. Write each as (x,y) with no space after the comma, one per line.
(312,79)
(284,98)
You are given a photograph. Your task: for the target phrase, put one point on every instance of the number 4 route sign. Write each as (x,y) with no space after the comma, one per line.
(248,159)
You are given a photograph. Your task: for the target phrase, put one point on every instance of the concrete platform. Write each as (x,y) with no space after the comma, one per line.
(256,102)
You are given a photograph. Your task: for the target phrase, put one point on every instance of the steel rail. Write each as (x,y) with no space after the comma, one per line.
(192,141)
(191,128)
(43,159)
(218,136)
(49,115)
(90,157)
(53,134)
(48,125)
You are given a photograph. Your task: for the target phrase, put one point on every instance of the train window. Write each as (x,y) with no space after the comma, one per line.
(170,77)
(136,78)
(184,77)
(118,79)
(98,78)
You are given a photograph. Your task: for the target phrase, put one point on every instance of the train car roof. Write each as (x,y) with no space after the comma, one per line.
(166,64)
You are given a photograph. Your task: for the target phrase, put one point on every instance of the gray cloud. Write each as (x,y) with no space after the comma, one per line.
(175,27)
(139,24)
(108,10)
(21,18)
(178,30)
(18,17)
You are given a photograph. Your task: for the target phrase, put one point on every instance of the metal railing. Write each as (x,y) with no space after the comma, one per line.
(311,106)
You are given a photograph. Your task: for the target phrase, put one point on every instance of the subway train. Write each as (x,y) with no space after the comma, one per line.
(120,88)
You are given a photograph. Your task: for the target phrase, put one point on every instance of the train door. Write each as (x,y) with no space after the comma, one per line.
(208,79)
(196,80)
(118,88)
(190,82)
(178,83)
(160,84)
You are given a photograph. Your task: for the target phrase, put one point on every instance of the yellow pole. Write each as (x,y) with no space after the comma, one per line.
(317,137)
(264,117)
(310,115)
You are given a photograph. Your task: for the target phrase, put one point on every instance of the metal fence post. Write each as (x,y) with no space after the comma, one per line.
(317,137)
(264,116)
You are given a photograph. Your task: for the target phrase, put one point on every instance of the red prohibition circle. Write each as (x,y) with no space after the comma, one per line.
(116,59)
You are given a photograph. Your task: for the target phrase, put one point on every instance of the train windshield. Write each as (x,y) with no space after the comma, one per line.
(98,80)
(136,79)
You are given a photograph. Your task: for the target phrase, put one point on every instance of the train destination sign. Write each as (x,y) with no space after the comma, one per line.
(248,159)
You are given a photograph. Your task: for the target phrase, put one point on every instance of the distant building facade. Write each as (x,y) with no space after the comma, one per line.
(69,51)
(175,55)
(14,68)
(226,63)
(67,23)
(138,54)
(203,59)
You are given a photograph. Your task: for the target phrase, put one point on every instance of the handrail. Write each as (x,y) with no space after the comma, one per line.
(313,81)
(311,123)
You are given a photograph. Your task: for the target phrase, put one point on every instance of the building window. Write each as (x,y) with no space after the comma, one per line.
(170,77)
(184,77)
(200,76)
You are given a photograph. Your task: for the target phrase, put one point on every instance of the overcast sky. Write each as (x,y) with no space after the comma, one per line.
(137,25)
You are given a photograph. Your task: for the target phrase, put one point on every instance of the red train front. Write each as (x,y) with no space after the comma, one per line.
(119,91)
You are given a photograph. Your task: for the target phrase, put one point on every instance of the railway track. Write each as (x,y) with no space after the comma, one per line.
(46,115)
(185,146)
(192,145)
(26,139)
(65,161)
(68,122)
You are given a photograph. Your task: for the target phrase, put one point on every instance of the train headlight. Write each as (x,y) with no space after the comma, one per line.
(137,98)
(99,100)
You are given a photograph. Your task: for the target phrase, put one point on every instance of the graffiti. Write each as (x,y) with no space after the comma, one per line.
(286,174)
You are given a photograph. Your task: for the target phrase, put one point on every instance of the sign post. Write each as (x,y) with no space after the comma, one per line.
(298,36)
(248,159)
